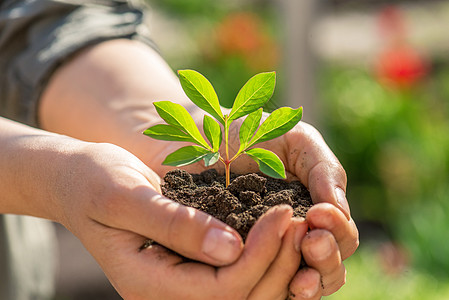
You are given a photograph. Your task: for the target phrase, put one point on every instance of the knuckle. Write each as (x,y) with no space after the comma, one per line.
(352,244)
(334,287)
(178,224)
(333,283)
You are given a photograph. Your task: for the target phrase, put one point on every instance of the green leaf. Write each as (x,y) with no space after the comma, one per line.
(185,156)
(168,133)
(212,130)
(177,116)
(278,122)
(201,92)
(249,127)
(253,95)
(269,163)
(211,158)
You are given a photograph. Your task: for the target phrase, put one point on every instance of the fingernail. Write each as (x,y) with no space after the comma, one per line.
(343,202)
(299,235)
(286,221)
(221,245)
(321,248)
(310,291)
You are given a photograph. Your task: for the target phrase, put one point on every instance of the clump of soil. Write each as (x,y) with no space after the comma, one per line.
(240,204)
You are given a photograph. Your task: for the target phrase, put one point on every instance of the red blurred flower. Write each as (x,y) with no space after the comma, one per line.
(399,64)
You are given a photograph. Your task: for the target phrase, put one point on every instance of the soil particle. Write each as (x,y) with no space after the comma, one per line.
(251,182)
(242,203)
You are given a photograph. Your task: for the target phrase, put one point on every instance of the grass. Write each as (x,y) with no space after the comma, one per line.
(365,280)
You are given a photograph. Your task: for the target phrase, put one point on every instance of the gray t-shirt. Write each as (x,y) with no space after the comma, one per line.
(36,36)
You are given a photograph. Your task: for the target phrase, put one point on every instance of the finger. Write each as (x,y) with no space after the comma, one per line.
(137,207)
(311,160)
(152,178)
(328,217)
(178,279)
(131,272)
(152,273)
(320,251)
(262,245)
(274,284)
(191,233)
(305,285)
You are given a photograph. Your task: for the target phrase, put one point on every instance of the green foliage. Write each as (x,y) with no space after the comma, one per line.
(249,127)
(367,280)
(394,146)
(268,162)
(279,122)
(249,102)
(253,95)
(423,228)
(168,133)
(189,8)
(392,143)
(213,132)
(185,156)
(178,117)
(200,91)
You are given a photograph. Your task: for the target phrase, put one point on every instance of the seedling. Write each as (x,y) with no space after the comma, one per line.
(249,101)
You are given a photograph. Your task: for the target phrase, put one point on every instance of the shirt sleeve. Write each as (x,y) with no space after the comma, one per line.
(36,36)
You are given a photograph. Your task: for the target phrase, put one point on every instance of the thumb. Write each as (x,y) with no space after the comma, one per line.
(185,230)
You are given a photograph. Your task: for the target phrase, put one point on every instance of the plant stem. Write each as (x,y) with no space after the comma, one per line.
(226,128)
(227,162)
(228,172)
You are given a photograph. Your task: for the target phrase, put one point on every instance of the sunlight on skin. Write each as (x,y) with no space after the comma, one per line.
(139,76)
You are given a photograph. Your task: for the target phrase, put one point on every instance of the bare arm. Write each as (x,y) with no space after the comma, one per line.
(105,95)
(26,174)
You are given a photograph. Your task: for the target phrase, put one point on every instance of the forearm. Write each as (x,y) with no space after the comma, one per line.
(106,94)
(28,164)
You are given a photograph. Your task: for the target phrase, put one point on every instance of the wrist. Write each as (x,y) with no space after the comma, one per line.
(31,162)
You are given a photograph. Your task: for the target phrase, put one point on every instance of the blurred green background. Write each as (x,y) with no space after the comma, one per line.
(373,77)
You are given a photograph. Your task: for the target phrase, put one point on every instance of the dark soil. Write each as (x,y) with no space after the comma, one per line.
(240,204)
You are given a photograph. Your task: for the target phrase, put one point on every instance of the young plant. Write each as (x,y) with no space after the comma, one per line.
(249,101)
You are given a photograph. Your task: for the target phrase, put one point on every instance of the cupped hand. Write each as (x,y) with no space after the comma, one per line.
(110,201)
(108,186)
(333,235)
(262,272)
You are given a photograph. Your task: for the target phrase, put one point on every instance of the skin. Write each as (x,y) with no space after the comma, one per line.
(108,198)
(116,83)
